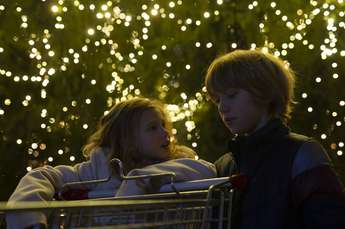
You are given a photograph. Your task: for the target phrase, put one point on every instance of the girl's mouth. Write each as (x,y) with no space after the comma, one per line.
(165,145)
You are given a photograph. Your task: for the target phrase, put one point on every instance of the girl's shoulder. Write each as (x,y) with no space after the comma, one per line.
(182,151)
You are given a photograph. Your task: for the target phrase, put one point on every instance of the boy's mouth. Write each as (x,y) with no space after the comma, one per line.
(229,120)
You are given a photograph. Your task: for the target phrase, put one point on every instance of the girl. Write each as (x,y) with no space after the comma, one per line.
(291,183)
(136,131)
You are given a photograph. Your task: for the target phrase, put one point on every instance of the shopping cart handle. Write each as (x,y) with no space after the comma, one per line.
(37,226)
(172,175)
(202,184)
(79,186)
(123,177)
(239,181)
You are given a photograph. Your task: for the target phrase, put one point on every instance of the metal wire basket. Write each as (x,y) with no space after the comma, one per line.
(191,209)
(180,206)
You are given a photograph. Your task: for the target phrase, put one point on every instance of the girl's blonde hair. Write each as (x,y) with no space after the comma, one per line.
(118,130)
(266,77)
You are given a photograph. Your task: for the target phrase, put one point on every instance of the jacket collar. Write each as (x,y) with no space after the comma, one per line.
(247,149)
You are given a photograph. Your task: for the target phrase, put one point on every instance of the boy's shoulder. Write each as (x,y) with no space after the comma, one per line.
(304,152)
(297,138)
(308,153)
(311,154)
(290,144)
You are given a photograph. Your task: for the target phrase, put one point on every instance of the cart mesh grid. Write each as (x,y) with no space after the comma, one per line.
(197,209)
(147,214)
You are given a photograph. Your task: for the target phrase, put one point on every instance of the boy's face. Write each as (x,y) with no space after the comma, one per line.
(154,139)
(240,114)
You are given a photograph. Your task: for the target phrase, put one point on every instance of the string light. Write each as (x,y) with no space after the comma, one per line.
(125,55)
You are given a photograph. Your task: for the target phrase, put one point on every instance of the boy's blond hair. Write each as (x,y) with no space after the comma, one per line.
(266,77)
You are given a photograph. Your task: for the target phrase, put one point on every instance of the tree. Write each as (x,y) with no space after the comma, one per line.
(63,63)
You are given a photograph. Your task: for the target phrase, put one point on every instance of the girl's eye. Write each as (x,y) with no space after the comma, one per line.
(154,127)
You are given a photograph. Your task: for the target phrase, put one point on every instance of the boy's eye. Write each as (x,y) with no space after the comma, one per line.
(231,95)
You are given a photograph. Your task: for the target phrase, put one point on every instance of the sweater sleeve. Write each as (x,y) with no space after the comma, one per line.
(41,184)
(317,192)
(184,169)
(225,165)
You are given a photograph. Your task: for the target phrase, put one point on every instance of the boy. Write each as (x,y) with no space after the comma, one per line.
(291,183)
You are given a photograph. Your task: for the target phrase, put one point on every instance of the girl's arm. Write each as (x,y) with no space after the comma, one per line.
(42,183)
(185,169)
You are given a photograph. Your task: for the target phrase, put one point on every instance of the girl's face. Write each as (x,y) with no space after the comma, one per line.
(240,114)
(154,139)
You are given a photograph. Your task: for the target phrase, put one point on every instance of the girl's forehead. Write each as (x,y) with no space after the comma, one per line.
(152,114)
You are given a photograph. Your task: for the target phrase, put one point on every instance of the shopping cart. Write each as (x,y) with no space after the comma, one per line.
(193,204)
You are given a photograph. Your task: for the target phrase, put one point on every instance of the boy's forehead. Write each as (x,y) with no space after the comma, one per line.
(227,91)
(223,81)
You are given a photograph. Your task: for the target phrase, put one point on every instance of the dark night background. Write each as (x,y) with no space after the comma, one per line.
(63,63)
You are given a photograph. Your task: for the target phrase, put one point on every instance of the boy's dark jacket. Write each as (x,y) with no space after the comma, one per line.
(281,192)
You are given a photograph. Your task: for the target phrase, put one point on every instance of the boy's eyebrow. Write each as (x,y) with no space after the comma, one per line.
(154,121)
(231,90)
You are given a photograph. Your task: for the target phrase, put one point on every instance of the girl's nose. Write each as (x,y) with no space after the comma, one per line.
(165,132)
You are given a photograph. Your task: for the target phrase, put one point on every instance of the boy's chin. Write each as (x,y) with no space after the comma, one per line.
(236,132)
(232,129)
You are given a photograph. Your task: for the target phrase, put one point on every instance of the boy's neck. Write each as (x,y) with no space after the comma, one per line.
(264,120)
